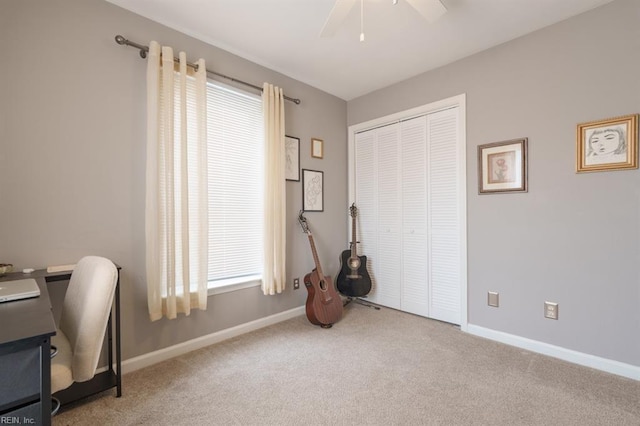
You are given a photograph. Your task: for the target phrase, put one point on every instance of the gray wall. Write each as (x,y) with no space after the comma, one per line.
(72,135)
(573,238)
(72,157)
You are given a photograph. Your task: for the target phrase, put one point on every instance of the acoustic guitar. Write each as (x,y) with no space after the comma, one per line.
(353,279)
(324,305)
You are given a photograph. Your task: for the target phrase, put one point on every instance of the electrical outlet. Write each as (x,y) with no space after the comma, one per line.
(551,310)
(296,283)
(493,299)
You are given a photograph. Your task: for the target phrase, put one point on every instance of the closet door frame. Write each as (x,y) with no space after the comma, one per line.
(452,102)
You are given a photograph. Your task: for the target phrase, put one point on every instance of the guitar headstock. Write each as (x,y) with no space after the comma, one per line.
(353,210)
(303,223)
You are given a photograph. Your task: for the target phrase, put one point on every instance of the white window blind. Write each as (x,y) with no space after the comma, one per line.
(235,175)
(235,144)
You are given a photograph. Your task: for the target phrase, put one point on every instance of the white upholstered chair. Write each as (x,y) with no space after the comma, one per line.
(83,321)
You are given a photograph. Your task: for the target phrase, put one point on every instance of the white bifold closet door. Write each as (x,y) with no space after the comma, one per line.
(407,191)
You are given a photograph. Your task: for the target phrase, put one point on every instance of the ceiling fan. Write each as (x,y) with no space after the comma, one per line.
(429,9)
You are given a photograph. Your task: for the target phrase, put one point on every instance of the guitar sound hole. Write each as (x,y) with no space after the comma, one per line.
(323,285)
(354,263)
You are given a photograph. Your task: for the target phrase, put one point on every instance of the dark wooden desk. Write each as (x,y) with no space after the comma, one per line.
(26,327)
(100,382)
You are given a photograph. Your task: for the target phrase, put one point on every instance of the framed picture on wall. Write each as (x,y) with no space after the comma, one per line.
(292,158)
(312,190)
(610,144)
(317,148)
(502,167)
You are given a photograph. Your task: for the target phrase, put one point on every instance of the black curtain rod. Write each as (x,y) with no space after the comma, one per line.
(143,54)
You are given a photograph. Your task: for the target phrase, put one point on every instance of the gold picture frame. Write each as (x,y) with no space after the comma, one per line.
(317,148)
(502,167)
(610,144)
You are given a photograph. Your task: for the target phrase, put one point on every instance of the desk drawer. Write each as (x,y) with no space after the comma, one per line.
(19,375)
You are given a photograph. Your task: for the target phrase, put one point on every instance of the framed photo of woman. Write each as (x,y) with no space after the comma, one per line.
(610,144)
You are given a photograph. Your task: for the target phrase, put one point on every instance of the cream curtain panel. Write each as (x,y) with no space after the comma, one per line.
(273,276)
(176,185)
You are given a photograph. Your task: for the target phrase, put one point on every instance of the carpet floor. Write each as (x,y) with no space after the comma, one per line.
(373,367)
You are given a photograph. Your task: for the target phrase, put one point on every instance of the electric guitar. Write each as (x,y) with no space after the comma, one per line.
(353,279)
(324,305)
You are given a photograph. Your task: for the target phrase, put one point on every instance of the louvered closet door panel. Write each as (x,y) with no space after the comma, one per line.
(414,175)
(366,200)
(415,290)
(444,212)
(388,270)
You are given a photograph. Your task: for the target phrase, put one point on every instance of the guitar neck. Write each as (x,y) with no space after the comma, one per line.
(354,251)
(316,260)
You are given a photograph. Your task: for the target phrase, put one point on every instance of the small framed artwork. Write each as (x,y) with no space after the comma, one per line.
(317,148)
(502,167)
(312,190)
(292,158)
(610,144)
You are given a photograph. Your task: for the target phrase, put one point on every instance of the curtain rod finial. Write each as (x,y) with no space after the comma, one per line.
(123,41)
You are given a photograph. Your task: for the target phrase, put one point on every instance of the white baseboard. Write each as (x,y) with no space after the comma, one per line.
(603,364)
(155,357)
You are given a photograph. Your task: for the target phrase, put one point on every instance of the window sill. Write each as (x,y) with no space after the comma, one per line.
(233,284)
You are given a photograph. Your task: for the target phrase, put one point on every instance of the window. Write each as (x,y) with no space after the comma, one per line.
(235,160)
(178,213)
(235,174)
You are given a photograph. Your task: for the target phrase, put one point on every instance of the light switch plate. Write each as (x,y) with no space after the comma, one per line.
(493,299)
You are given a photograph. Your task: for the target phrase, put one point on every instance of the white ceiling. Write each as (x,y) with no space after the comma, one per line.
(283,35)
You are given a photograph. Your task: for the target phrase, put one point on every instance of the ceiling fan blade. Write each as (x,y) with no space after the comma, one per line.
(338,14)
(429,9)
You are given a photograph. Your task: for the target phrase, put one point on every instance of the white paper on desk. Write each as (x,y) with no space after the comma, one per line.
(60,268)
